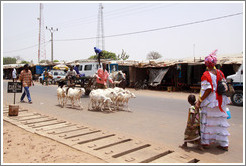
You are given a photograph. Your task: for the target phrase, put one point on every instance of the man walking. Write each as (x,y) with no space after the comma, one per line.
(26,79)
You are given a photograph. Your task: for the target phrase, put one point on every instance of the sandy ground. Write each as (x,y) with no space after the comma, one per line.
(20,146)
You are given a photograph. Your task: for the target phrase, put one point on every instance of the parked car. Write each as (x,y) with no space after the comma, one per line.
(56,74)
(237,83)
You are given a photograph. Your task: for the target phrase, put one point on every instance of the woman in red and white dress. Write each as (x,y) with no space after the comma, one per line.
(214,123)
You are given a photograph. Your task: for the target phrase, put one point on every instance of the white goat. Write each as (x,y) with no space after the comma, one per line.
(98,99)
(75,95)
(123,98)
(61,95)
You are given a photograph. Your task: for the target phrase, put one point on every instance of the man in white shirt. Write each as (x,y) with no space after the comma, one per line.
(14,75)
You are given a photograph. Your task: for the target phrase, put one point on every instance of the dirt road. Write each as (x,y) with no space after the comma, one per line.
(20,146)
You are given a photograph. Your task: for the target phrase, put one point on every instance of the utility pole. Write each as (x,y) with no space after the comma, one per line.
(39,19)
(41,34)
(51,32)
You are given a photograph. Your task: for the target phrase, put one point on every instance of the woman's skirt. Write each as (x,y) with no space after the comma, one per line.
(214,126)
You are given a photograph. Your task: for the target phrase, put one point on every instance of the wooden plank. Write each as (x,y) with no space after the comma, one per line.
(174,158)
(63,125)
(91,137)
(107,153)
(39,120)
(144,155)
(66,129)
(104,143)
(49,123)
(45,128)
(90,147)
(23,115)
(81,134)
(76,132)
(30,117)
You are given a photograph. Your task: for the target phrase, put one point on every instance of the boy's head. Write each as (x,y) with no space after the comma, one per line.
(192,99)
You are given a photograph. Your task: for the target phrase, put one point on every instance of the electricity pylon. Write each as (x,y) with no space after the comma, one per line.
(100,43)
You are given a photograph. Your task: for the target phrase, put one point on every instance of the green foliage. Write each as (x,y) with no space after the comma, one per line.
(24,62)
(9,60)
(55,61)
(44,61)
(123,56)
(93,57)
(105,55)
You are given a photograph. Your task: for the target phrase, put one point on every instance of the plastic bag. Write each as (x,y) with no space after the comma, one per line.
(228,113)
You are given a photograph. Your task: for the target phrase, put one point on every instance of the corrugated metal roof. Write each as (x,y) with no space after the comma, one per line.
(222,59)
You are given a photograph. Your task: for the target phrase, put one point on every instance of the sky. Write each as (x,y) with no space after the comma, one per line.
(163,21)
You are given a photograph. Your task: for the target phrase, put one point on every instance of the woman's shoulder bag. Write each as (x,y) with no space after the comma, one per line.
(224,87)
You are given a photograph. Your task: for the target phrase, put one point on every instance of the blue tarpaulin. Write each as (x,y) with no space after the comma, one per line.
(40,69)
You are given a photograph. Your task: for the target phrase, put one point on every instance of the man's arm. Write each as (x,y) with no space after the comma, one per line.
(31,78)
(20,78)
(98,75)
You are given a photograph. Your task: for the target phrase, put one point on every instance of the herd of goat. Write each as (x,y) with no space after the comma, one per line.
(111,99)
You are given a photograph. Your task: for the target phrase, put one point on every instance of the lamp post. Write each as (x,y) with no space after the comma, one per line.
(51,32)
(194,52)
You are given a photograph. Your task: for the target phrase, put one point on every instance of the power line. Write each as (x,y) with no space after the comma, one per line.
(93,18)
(113,15)
(157,29)
(138,32)
(24,48)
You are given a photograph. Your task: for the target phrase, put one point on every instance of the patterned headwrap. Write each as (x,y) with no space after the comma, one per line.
(211,59)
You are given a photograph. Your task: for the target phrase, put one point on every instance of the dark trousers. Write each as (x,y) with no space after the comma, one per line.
(99,58)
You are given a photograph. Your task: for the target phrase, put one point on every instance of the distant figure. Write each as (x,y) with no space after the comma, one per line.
(99,54)
(102,77)
(76,68)
(14,75)
(46,77)
(26,79)
(192,131)
(71,75)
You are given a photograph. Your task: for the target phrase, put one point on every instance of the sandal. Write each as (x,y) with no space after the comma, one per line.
(205,146)
(225,148)
(200,148)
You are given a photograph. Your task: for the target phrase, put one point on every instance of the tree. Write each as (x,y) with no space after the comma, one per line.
(105,55)
(123,56)
(9,60)
(24,62)
(44,61)
(154,55)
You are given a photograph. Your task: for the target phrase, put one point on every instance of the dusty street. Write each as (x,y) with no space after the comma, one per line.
(155,116)
(20,146)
